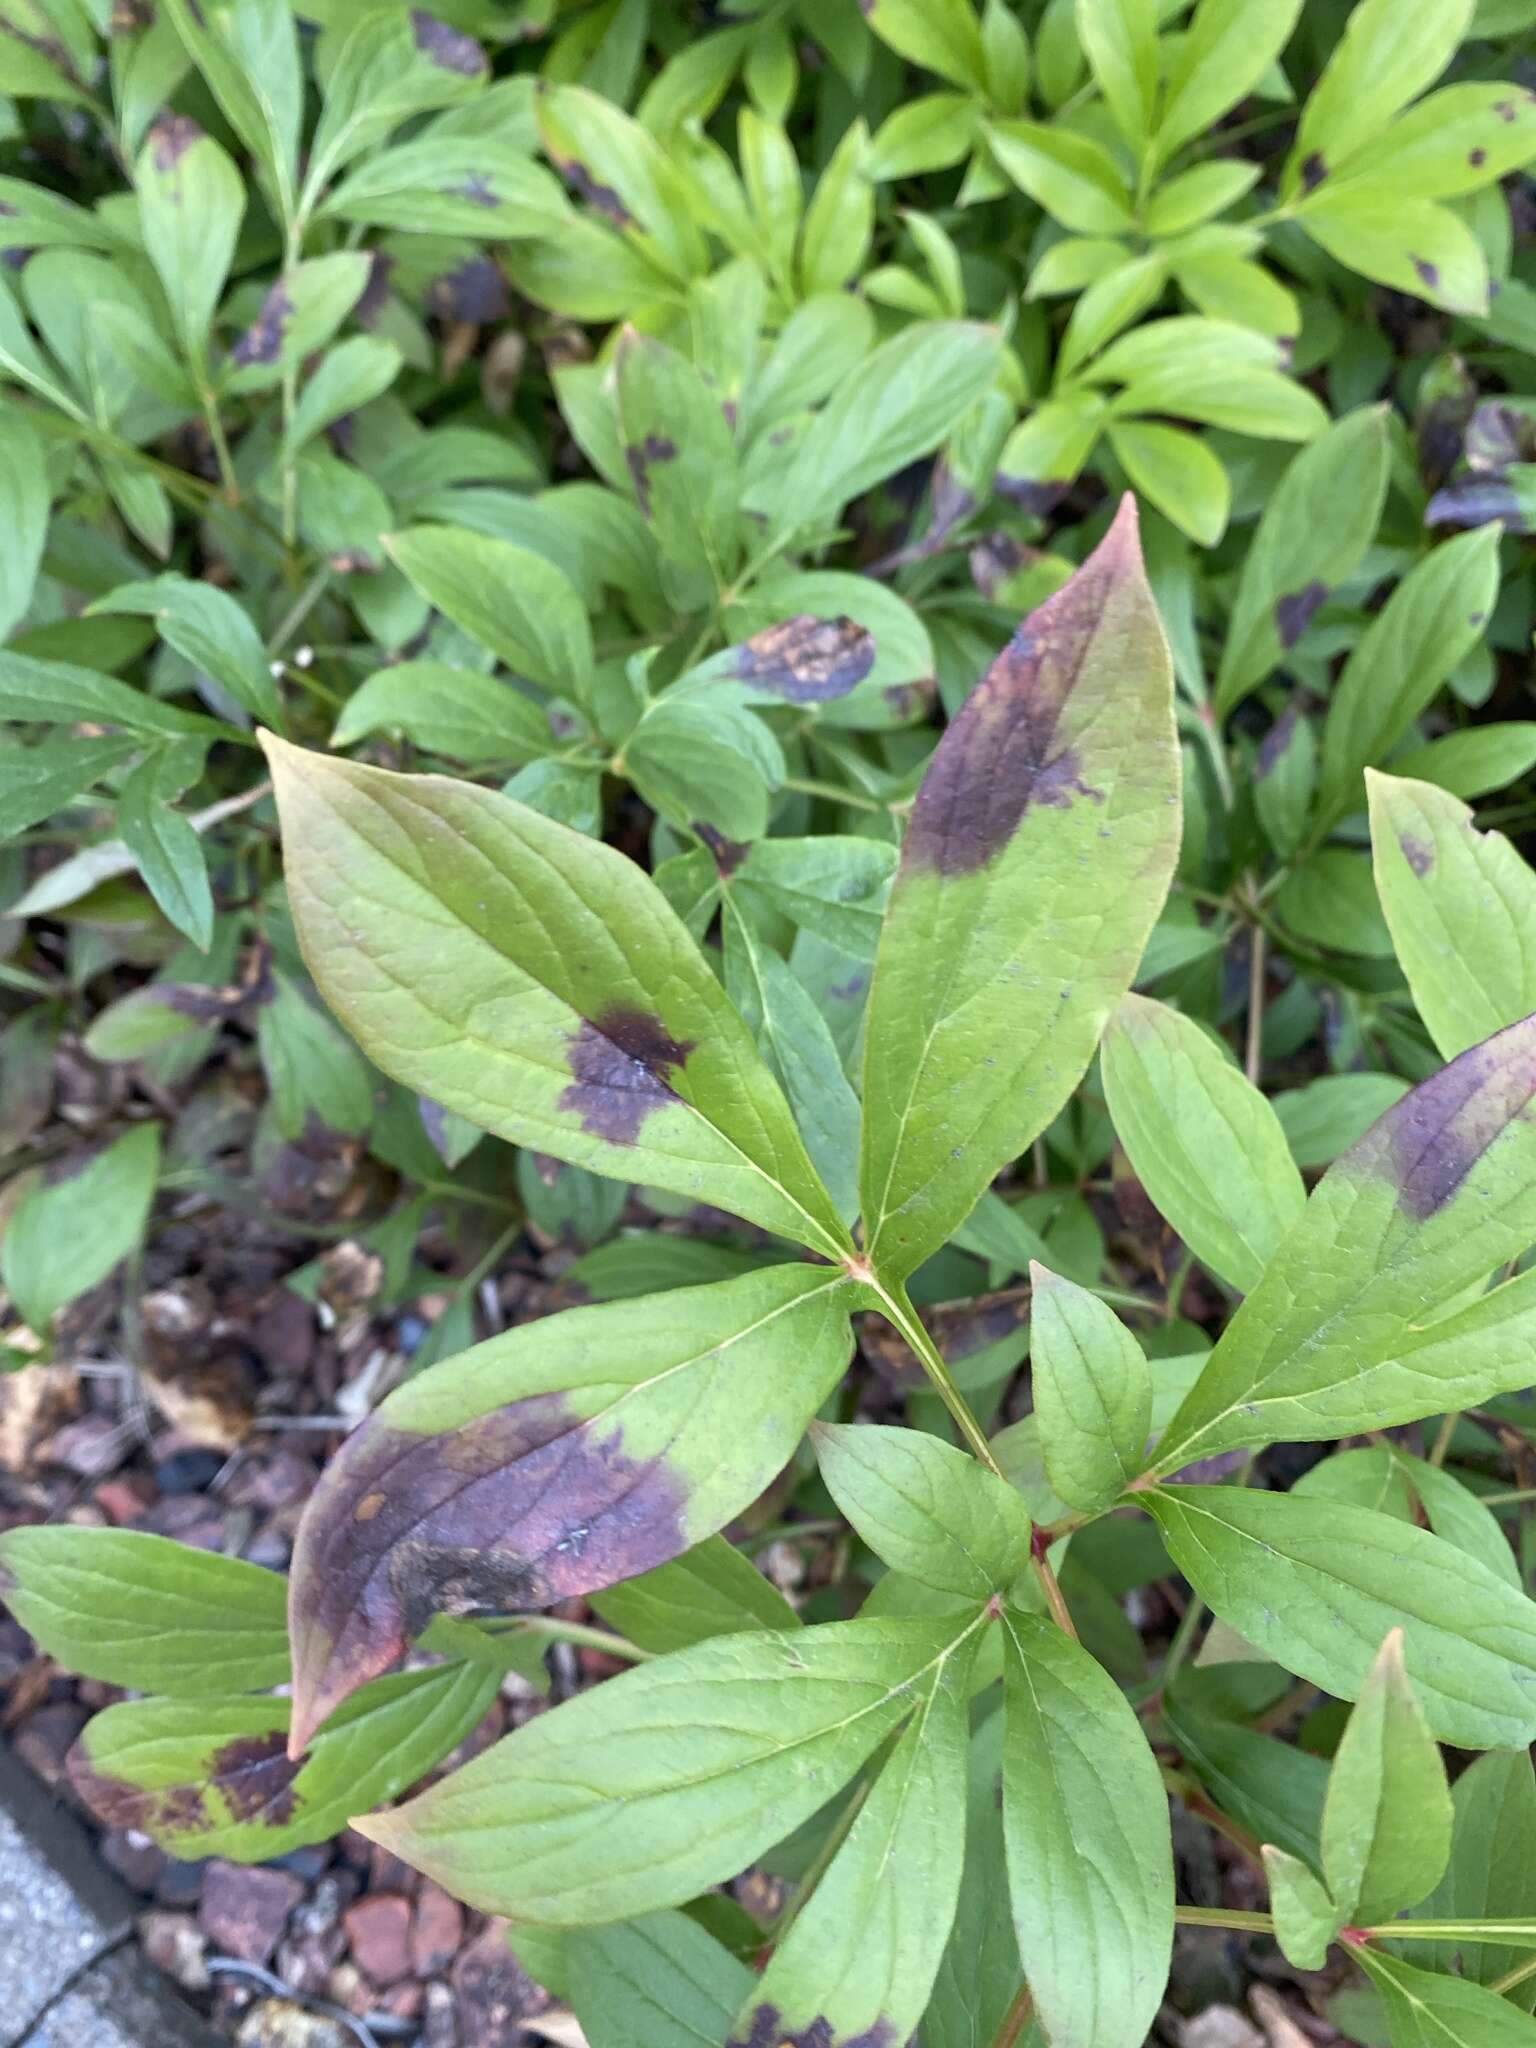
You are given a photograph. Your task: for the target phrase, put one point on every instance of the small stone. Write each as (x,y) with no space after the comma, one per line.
(189,1471)
(1219,2026)
(90,1448)
(388,1872)
(280,2023)
(379,1929)
(45,1738)
(134,1857)
(436,1932)
(439,2019)
(179,1884)
(244,1909)
(492,1992)
(403,2001)
(174,1943)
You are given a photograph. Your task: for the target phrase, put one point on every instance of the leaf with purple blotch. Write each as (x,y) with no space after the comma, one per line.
(1358,1322)
(801,660)
(212,1777)
(565,1456)
(1038,853)
(536,983)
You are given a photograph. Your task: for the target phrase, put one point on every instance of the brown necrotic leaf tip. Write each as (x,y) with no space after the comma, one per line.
(520,1507)
(1004,752)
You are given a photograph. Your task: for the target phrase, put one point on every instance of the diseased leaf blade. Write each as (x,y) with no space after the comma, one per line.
(1037,856)
(1316,1584)
(1090,1863)
(537,983)
(686,1769)
(561,1457)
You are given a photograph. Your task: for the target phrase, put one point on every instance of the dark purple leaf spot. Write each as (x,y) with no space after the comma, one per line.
(850,990)
(1429,276)
(766,2029)
(161,1810)
(996,557)
(476,190)
(446,47)
(262,341)
(619,1061)
(907,702)
(729,853)
(1474,500)
(1003,753)
(474,294)
(376,290)
(806,660)
(7,211)
(1294,611)
(1419,853)
(1313,172)
(433,1123)
(1428,1143)
(641,456)
(170,138)
(1035,495)
(526,1505)
(602,197)
(1505,109)
(1274,743)
(1477,158)
(255,1776)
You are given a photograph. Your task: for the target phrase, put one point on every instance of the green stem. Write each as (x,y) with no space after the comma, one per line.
(221,452)
(1218,1916)
(1519,1975)
(578,1633)
(1015,2019)
(1442,1442)
(300,610)
(834,795)
(836,1837)
(900,1312)
(1183,1639)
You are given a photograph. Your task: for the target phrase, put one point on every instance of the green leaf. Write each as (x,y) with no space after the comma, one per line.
(796,1041)
(24,502)
(1198,193)
(508,598)
(924,1507)
(1459,905)
(535,982)
(1431,621)
(1383,60)
(706,764)
(209,1777)
(712,1590)
(681,455)
(1284,777)
(348,377)
(1229,46)
(1180,475)
(1492,1871)
(1271,1788)
(1037,856)
(191,201)
(37,781)
(452,185)
(1092,1389)
(862,1953)
(834,887)
(662,1979)
(249,54)
(1042,456)
(65,1236)
(167,852)
(1333,1112)
(1202,1140)
(941,35)
(1074,178)
(1341,1333)
(599,1443)
(771,1726)
(1425,2010)
(454,711)
(1090,1864)
(1119,39)
(979,1976)
(312,1071)
(137,1610)
(213,632)
(1471,763)
(1387,1818)
(901,402)
(1316,527)
(1316,1584)
(1411,245)
(1306,1919)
